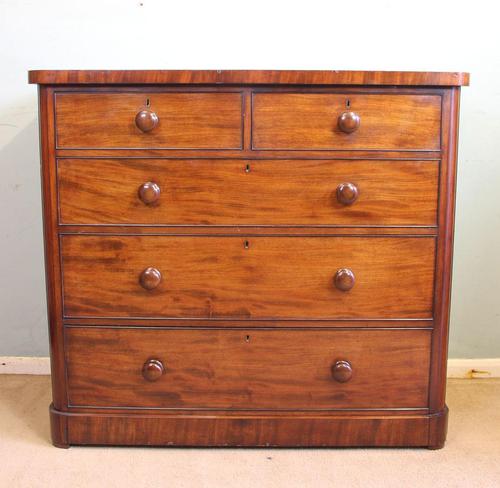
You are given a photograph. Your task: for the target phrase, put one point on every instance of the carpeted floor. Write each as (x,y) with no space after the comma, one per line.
(470,459)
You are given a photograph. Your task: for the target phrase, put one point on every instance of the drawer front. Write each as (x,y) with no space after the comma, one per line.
(221,192)
(168,121)
(311,121)
(255,277)
(253,369)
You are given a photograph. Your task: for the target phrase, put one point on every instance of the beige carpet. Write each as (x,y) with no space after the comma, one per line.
(471,457)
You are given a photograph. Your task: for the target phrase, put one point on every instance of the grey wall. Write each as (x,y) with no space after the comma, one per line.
(121,34)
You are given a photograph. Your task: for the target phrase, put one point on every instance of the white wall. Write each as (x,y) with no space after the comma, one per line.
(358,34)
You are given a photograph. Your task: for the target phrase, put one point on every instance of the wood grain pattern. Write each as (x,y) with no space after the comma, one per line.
(248,369)
(51,250)
(310,121)
(444,257)
(214,290)
(276,277)
(186,120)
(230,192)
(265,430)
(250,230)
(242,77)
(58,427)
(244,323)
(438,428)
(352,155)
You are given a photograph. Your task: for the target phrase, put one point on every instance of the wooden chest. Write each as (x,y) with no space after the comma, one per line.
(248,258)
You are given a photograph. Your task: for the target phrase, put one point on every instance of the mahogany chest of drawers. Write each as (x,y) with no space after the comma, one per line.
(248,258)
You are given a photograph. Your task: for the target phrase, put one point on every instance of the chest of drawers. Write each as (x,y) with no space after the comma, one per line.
(248,258)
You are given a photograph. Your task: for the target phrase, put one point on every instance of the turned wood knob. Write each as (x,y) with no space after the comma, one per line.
(149,192)
(349,122)
(342,371)
(146,120)
(344,279)
(150,278)
(153,370)
(347,193)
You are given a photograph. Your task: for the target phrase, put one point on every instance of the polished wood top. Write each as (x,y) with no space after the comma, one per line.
(250,77)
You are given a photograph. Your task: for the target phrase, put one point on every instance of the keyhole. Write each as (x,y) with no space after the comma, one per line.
(247,338)
(247,168)
(348,103)
(148,102)
(246,244)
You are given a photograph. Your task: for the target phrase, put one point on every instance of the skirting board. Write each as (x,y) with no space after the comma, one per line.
(24,365)
(474,368)
(457,368)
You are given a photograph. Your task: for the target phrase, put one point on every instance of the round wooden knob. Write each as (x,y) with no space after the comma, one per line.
(342,371)
(349,122)
(146,120)
(347,193)
(149,192)
(150,278)
(153,370)
(344,279)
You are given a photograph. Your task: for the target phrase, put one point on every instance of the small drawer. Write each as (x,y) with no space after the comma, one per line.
(248,278)
(231,192)
(308,121)
(247,369)
(142,120)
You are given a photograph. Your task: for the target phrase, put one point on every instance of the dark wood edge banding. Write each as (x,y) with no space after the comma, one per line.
(245,231)
(198,409)
(211,324)
(266,231)
(334,89)
(146,411)
(321,320)
(278,155)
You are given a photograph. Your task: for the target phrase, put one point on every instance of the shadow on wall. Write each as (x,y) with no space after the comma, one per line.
(23,328)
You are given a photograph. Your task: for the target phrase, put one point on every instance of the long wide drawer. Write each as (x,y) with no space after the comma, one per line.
(184,120)
(255,277)
(252,369)
(347,121)
(231,192)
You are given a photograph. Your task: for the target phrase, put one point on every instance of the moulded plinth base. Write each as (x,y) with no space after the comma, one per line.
(285,429)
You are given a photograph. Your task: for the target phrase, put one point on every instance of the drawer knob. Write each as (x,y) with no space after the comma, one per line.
(342,371)
(149,193)
(150,278)
(153,370)
(347,193)
(344,279)
(349,122)
(146,120)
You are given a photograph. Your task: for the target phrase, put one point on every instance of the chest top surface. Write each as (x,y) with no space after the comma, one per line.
(251,77)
